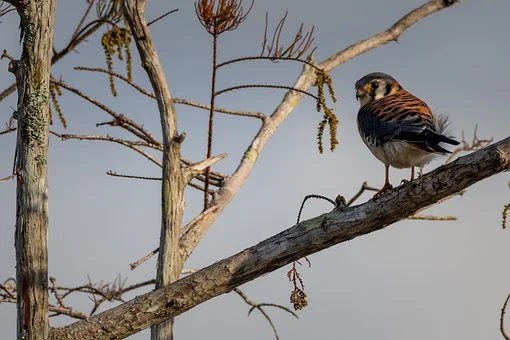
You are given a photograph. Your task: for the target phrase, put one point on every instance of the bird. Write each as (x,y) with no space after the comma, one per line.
(398,127)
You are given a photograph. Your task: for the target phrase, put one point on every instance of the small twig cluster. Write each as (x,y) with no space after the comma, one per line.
(98,294)
(465,146)
(219,16)
(5,8)
(296,49)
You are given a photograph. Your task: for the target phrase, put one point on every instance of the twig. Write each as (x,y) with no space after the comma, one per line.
(214,174)
(267,86)
(180,101)
(364,187)
(475,144)
(236,60)
(82,20)
(120,119)
(502,319)
(192,170)
(7,291)
(130,144)
(143,259)
(8,178)
(308,197)
(297,48)
(119,76)
(504,215)
(6,55)
(432,218)
(114,174)
(260,308)
(253,114)
(162,16)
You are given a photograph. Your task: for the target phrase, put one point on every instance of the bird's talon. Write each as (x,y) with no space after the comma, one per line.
(384,189)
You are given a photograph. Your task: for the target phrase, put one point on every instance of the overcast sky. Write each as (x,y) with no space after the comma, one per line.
(417,280)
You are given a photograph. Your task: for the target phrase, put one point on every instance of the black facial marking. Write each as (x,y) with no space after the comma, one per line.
(388,89)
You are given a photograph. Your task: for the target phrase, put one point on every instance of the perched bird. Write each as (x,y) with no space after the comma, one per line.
(397,127)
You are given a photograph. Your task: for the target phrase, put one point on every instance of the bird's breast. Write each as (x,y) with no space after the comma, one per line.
(398,154)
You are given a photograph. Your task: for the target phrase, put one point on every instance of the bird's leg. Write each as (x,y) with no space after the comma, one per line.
(387,186)
(404,181)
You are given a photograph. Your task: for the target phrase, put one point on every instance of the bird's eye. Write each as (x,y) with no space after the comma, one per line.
(374,84)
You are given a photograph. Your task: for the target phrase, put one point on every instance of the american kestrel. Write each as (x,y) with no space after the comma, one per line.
(397,127)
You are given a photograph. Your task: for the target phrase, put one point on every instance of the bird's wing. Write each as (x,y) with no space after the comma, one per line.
(401,117)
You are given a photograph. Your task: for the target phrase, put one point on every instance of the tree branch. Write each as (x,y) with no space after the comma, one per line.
(502,319)
(133,145)
(308,237)
(193,170)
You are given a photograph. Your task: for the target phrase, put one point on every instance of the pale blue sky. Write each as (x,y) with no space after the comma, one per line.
(419,280)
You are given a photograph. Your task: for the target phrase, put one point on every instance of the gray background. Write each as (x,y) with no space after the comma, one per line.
(414,280)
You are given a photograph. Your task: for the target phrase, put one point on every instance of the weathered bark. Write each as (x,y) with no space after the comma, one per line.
(308,237)
(173,181)
(31,237)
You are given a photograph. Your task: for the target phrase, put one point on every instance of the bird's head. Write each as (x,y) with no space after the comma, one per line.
(374,86)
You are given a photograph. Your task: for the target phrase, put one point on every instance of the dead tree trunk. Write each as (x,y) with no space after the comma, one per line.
(173,179)
(33,81)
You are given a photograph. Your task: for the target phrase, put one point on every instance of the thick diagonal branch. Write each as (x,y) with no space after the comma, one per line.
(308,237)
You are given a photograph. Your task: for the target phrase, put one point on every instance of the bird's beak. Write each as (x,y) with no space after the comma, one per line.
(359,93)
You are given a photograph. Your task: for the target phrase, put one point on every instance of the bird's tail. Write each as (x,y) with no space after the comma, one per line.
(443,130)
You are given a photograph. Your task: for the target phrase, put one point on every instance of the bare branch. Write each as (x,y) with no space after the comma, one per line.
(130,144)
(114,174)
(432,218)
(6,55)
(8,8)
(502,319)
(504,215)
(119,76)
(364,187)
(253,114)
(392,34)
(193,170)
(120,119)
(143,259)
(8,178)
(260,308)
(258,115)
(162,16)
(265,86)
(82,20)
(475,144)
